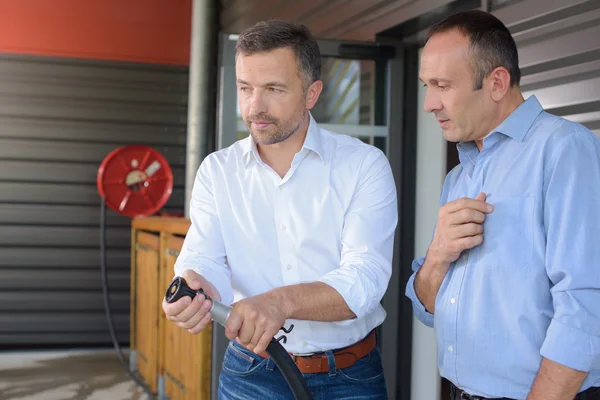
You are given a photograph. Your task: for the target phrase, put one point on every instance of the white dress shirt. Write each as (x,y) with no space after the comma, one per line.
(331,218)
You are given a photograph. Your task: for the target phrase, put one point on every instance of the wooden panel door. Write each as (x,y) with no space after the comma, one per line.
(145,312)
(185,360)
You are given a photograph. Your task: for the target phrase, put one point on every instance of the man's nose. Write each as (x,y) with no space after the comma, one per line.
(259,104)
(432,102)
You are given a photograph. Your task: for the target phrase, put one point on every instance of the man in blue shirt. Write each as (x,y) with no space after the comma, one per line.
(511,279)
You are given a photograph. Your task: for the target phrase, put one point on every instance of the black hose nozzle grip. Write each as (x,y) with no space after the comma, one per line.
(220,312)
(179,288)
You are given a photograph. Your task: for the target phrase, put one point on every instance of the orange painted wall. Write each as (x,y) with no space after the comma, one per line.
(154,31)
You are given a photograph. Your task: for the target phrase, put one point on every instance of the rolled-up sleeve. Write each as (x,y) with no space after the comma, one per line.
(203,250)
(367,238)
(571,218)
(419,309)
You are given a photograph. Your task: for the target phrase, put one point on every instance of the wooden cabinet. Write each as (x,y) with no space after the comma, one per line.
(144,315)
(172,361)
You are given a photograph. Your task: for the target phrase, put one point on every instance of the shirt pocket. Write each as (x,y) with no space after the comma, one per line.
(508,233)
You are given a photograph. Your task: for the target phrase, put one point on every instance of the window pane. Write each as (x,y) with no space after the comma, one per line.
(347,96)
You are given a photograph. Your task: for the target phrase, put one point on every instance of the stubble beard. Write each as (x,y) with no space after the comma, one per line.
(281,132)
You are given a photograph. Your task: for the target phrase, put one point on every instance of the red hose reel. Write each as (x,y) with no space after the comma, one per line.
(135,180)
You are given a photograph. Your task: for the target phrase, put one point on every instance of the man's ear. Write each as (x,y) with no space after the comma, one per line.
(312,93)
(499,83)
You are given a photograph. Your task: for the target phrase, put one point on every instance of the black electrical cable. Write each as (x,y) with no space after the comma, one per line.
(107,308)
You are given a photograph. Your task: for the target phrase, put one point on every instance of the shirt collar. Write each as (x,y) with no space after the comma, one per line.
(515,126)
(249,149)
(312,142)
(520,120)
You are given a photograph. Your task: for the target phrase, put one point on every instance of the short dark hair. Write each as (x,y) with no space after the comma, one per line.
(275,34)
(492,45)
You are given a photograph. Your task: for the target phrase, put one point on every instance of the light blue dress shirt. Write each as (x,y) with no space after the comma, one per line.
(532,288)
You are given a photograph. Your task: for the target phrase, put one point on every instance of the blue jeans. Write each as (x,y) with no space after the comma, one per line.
(246,375)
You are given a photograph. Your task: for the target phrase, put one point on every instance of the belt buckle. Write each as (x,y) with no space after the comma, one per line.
(465,396)
(303,354)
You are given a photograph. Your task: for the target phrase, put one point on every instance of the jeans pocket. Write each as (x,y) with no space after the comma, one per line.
(241,361)
(365,370)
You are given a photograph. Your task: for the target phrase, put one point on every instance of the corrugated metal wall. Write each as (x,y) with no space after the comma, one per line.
(559,54)
(58,119)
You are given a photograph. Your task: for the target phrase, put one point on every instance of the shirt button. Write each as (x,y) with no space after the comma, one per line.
(289,266)
(283,227)
(303,344)
(450,349)
(452,300)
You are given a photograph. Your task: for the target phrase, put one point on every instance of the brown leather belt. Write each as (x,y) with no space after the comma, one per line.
(344,358)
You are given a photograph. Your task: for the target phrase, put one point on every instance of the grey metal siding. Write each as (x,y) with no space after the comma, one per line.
(59,118)
(559,55)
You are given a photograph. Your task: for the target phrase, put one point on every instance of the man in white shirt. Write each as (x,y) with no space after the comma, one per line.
(293,225)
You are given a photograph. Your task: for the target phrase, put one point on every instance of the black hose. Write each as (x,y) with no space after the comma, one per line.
(220,312)
(290,371)
(107,308)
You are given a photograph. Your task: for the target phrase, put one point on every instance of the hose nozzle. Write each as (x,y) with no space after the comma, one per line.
(179,288)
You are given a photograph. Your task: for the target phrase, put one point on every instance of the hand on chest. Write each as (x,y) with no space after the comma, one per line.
(508,231)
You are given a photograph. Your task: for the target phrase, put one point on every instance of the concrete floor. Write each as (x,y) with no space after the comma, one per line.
(66,375)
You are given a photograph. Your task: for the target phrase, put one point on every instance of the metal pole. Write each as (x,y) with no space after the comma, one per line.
(200,97)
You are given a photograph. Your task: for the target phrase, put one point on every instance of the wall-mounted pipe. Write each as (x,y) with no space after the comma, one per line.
(201,97)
